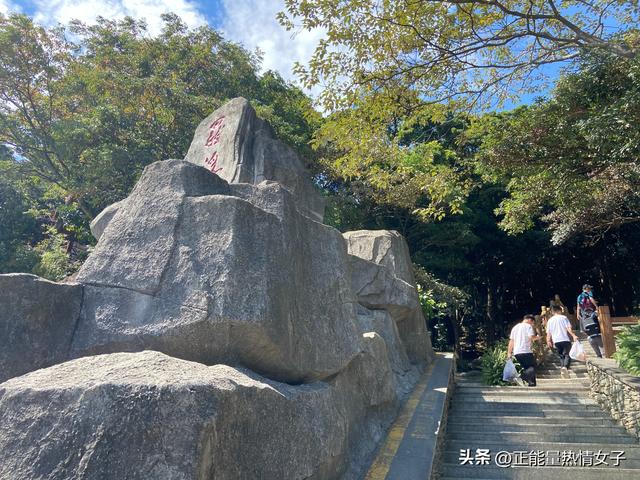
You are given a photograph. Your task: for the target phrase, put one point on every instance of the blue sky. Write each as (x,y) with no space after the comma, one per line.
(250,22)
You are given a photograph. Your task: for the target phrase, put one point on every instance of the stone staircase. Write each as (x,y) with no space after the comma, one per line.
(552,431)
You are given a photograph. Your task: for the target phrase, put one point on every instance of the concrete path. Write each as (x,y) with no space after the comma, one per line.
(409,450)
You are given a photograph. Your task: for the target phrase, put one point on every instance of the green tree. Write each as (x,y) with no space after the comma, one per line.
(448,49)
(18,229)
(386,67)
(84,108)
(503,275)
(572,160)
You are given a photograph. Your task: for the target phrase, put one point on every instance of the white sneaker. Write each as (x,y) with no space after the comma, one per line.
(564,372)
(520,382)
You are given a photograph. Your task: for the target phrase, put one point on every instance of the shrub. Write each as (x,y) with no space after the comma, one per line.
(54,263)
(24,259)
(628,349)
(493,361)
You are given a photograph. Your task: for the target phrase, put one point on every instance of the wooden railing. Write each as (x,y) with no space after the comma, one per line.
(607,324)
(606,330)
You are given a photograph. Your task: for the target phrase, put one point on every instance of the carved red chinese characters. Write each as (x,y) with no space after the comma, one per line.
(215,131)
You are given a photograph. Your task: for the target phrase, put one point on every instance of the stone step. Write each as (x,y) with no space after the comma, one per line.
(463,419)
(582,377)
(487,472)
(520,407)
(558,371)
(530,399)
(574,365)
(541,381)
(548,414)
(557,375)
(573,388)
(553,365)
(532,428)
(539,436)
(557,365)
(555,416)
(525,391)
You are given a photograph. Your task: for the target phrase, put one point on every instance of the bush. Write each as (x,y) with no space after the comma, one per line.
(493,361)
(54,262)
(24,259)
(628,349)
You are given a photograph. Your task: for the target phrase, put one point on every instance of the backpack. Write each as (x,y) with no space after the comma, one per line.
(585,303)
(590,323)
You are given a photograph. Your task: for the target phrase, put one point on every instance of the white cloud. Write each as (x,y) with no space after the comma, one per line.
(253,23)
(249,22)
(53,11)
(6,6)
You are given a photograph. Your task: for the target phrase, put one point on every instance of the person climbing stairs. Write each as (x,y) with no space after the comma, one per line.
(552,431)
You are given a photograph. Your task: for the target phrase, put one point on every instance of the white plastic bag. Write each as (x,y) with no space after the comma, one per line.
(509,374)
(577,352)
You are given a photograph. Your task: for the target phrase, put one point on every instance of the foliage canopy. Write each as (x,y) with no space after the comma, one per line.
(628,349)
(439,50)
(391,70)
(571,160)
(84,108)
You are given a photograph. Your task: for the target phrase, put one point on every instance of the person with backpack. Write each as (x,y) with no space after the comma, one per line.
(558,332)
(586,311)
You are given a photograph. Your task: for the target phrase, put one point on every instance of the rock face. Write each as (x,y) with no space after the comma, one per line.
(37,321)
(286,347)
(405,373)
(99,223)
(187,420)
(384,247)
(391,286)
(218,279)
(242,148)
(146,415)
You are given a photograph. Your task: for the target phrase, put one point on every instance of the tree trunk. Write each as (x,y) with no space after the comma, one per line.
(456,324)
(490,313)
(608,277)
(85,209)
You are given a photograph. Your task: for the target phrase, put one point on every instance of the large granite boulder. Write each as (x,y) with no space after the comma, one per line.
(405,373)
(225,264)
(212,277)
(242,148)
(149,416)
(390,286)
(384,247)
(103,219)
(377,288)
(37,321)
(239,147)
